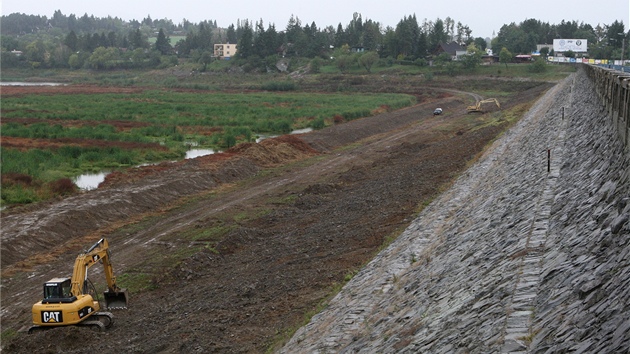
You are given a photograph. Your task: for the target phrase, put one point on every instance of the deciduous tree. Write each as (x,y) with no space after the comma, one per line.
(343,62)
(205,59)
(103,58)
(368,59)
(472,59)
(505,56)
(36,51)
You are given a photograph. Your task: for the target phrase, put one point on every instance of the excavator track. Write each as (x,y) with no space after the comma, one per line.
(98,321)
(93,324)
(34,329)
(106,318)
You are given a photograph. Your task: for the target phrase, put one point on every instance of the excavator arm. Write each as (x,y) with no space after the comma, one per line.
(115,297)
(478,107)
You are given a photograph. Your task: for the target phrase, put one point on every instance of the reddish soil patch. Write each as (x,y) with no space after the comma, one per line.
(29,143)
(120,125)
(65,89)
(276,151)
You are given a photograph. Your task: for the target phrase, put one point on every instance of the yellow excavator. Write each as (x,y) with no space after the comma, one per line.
(478,107)
(73,301)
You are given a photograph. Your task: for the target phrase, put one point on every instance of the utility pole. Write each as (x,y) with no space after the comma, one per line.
(623,45)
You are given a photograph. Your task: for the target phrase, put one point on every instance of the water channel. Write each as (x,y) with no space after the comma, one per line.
(91,181)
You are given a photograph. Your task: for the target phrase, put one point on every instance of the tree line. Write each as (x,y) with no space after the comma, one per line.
(106,43)
(604,41)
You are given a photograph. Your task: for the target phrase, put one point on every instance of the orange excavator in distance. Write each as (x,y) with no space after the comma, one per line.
(73,301)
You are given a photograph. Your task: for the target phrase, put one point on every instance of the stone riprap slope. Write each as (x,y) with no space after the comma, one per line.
(513,258)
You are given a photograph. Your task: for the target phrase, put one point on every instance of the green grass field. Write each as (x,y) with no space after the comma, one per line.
(68,135)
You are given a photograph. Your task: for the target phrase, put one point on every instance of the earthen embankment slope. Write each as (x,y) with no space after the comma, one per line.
(518,256)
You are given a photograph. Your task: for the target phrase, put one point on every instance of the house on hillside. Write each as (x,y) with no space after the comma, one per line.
(453,49)
(224,51)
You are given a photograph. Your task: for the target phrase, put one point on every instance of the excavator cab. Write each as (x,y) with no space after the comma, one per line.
(57,290)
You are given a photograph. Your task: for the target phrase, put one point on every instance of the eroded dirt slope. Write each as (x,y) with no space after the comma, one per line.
(298,223)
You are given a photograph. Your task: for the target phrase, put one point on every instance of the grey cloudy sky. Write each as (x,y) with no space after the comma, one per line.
(483,17)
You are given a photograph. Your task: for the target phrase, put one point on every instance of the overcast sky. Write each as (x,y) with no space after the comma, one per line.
(483,17)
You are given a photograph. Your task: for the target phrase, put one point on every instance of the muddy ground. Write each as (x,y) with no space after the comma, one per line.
(302,214)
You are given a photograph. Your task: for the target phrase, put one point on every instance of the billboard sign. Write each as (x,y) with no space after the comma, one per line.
(574,45)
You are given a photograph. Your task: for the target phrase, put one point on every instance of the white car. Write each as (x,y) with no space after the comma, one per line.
(437,111)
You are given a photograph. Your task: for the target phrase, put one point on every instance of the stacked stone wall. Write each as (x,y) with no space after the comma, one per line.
(613,88)
(583,302)
(514,258)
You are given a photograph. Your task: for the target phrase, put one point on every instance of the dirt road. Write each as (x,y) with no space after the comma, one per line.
(298,220)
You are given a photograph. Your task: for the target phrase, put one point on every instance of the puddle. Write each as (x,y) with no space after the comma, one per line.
(262,137)
(90,181)
(192,153)
(302,131)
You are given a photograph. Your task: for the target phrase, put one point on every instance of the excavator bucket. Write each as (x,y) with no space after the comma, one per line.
(116,300)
